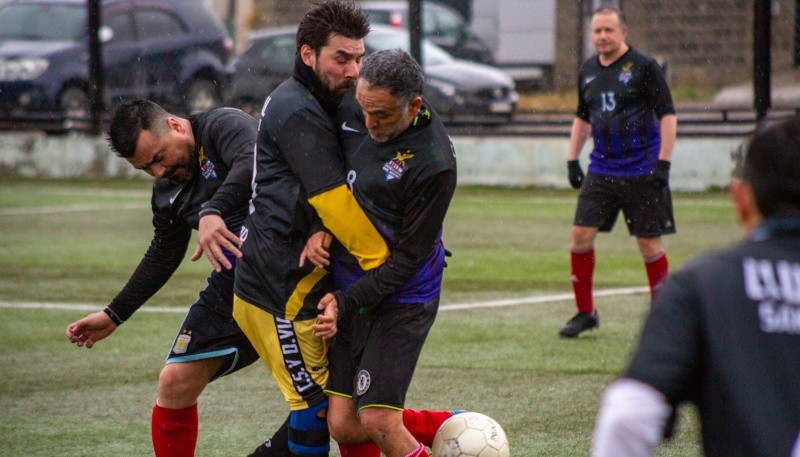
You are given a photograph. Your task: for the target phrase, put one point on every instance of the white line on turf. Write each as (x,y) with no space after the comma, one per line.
(534,299)
(41,210)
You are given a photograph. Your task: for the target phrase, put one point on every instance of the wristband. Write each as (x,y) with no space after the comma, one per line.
(113,316)
(207,211)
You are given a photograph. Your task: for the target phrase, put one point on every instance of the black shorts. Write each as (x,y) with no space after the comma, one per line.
(647,209)
(373,356)
(209,331)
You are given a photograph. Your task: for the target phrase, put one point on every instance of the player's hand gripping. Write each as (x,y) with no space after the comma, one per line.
(212,237)
(575,174)
(90,329)
(660,175)
(325,327)
(316,249)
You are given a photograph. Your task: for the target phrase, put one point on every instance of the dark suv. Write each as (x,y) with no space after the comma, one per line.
(173,52)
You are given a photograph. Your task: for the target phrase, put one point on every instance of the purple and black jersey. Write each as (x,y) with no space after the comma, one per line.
(404,186)
(624,103)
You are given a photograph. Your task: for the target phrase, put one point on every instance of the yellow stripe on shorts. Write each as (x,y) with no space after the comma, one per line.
(297,360)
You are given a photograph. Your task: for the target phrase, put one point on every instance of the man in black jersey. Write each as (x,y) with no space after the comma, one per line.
(300,193)
(724,331)
(625,104)
(402,170)
(203,166)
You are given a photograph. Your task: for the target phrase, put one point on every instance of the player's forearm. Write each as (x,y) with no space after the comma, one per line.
(154,270)
(669,132)
(631,420)
(578,136)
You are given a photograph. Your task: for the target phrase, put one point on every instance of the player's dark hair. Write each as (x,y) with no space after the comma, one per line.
(330,18)
(395,70)
(128,121)
(772,167)
(608,9)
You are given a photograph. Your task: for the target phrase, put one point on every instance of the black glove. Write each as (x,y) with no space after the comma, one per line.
(575,173)
(660,175)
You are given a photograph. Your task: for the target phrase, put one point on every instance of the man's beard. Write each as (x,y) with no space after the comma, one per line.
(183,173)
(335,93)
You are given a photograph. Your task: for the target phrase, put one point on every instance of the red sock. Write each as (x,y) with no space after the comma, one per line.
(359,450)
(418,452)
(424,423)
(657,269)
(174,431)
(582,264)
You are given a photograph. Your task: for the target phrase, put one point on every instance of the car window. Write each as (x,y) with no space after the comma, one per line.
(279,54)
(429,20)
(122,27)
(41,22)
(157,24)
(445,22)
(431,54)
(200,16)
(380,17)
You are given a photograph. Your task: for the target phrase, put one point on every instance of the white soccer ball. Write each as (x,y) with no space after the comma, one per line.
(470,435)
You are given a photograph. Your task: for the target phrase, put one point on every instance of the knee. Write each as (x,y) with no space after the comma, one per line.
(345,429)
(340,432)
(582,238)
(378,424)
(176,386)
(650,247)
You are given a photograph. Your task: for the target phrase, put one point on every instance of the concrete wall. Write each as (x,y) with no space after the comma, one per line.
(698,163)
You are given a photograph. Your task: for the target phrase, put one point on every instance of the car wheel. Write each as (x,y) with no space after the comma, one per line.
(76,106)
(202,95)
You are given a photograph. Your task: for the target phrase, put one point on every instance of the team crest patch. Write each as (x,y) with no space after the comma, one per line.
(206,167)
(394,168)
(363,381)
(182,343)
(627,73)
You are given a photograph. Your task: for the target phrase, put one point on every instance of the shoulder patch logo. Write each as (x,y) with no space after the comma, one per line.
(626,73)
(394,168)
(206,166)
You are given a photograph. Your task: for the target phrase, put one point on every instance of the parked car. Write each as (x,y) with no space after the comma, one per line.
(171,51)
(441,24)
(457,89)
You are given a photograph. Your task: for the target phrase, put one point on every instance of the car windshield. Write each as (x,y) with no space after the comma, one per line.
(431,54)
(42,22)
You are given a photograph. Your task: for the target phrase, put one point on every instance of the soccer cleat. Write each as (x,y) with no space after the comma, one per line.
(458,411)
(580,323)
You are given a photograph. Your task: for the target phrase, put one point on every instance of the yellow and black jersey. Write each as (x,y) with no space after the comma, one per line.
(298,185)
(404,186)
(220,183)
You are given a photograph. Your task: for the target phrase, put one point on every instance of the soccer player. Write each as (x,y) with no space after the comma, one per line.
(625,104)
(202,166)
(300,193)
(724,331)
(402,171)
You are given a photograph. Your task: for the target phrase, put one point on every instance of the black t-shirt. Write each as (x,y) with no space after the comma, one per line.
(624,102)
(724,333)
(220,182)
